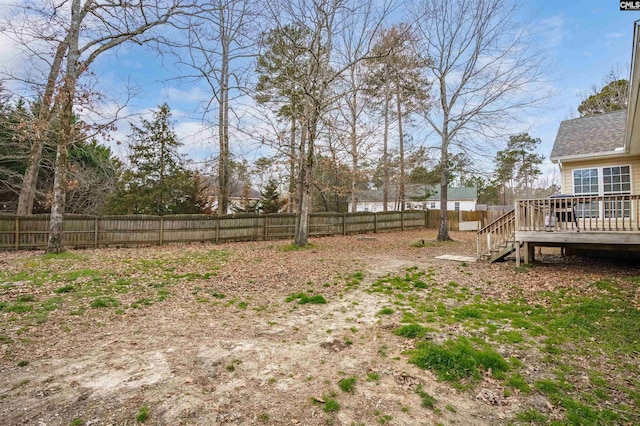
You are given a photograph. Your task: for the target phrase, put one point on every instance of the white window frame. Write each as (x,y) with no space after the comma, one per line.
(601,210)
(456,206)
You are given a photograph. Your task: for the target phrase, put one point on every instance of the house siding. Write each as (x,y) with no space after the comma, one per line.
(568,168)
(377,206)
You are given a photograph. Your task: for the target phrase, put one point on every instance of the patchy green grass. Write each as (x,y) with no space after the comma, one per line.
(458,359)
(562,327)
(64,289)
(80,281)
(386,311)
(331,405)
(296,247)
(373,377)
(303,299)
(347,384)
(143,414)
(423,244)
(427,400)
(410,331)
(532,416)
(105,302)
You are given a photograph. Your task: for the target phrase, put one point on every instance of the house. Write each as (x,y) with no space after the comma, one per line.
(458,199)
(241,194)
(418,197)
(593,158)
(599,160)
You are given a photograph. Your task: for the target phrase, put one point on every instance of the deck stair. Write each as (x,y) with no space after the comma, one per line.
(496,241)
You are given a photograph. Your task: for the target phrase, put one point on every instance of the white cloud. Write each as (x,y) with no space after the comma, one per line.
(552,29)
(615,35)
(194,94)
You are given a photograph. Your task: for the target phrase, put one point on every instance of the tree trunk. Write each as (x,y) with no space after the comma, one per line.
(56,224)
(223,122)
(401,190)
(304,200)
(300,182)
(30,178)
(306,174)
(443,230)
(354,147)
(385,154)
(292,168)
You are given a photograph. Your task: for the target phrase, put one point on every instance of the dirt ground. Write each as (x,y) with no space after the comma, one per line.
(195,358)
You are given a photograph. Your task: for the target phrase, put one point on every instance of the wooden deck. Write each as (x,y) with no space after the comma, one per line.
(593,223)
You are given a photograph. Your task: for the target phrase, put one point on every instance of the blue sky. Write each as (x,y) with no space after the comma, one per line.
(583,40)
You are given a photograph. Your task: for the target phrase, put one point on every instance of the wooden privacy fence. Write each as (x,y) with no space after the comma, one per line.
(32,232)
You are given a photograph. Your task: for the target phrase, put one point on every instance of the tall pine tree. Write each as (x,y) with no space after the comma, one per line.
(158,181)
(270,197)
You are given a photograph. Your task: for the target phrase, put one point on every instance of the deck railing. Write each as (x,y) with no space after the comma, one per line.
(608,213)
(497,233)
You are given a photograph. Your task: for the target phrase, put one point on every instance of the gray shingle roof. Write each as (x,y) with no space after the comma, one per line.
(463,193)
(590,135)
(415,191)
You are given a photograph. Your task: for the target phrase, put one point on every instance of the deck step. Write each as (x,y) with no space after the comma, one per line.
(500,255)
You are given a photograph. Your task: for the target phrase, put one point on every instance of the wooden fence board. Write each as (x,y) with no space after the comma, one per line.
(28,232)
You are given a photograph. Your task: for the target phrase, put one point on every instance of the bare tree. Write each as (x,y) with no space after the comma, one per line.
(322,20)
(355,42)
(221,38)
(484,73)
(79,34)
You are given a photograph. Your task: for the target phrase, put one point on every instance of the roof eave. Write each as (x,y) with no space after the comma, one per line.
(588,156)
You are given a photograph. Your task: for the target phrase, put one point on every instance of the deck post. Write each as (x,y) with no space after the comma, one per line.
(531,252)
(517,254)
(526,253)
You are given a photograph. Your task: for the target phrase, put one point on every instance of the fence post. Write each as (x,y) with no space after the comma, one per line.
(344,224)
(161,230)
(375,222)
(217,228)
(402,220)
(95,232)
(17,236)
(266,227)
(426,219)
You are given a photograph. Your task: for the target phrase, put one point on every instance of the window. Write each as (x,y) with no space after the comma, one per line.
(432,205)
(616,180)
(585,182)
(607,181)
(456,206)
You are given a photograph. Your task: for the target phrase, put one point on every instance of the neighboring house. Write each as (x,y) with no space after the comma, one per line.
(460,199)
(599,160)
(240,195)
